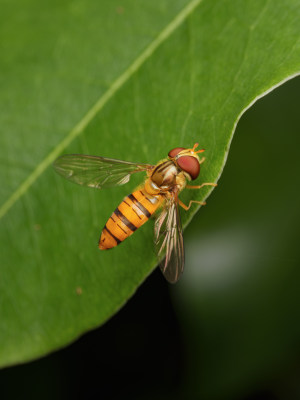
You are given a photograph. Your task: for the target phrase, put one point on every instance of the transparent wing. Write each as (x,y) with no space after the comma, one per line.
(96,172)
(169,241)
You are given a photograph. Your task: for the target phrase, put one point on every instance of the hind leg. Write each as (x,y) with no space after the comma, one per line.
(190,203)
(195,201)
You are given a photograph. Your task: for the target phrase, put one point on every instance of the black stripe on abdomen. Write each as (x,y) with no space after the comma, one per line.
(112,235)
(125,221)
(140,206)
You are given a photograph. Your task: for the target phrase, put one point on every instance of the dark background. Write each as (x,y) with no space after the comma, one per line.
(230,328)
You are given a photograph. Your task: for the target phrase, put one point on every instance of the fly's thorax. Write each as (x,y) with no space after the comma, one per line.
(164,174)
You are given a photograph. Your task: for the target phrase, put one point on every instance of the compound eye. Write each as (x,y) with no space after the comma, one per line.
(173,153)
(190,165)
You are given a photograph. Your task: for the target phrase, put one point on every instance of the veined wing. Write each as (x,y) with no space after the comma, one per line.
(97,172)
(169,241)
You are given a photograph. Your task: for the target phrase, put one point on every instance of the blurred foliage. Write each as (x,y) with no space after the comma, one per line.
(239,299)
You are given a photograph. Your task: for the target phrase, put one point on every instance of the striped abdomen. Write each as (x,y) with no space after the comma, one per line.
(133,212)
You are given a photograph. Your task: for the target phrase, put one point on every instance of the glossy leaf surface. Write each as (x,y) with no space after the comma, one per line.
(124,82)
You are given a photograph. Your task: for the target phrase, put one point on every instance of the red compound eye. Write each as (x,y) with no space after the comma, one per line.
(190,165)
(173,153)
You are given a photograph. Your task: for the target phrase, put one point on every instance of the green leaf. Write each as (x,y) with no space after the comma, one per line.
(125,82)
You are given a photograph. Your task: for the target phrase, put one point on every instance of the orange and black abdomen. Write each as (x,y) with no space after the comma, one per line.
(133,212)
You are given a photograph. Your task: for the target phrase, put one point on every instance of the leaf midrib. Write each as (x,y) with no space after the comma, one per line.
(96,108)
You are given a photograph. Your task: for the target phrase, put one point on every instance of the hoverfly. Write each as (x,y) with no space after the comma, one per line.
(164,182)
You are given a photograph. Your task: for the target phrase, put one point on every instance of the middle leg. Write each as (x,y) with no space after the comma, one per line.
(200,186)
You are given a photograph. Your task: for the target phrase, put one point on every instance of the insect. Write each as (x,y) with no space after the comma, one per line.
(160,190)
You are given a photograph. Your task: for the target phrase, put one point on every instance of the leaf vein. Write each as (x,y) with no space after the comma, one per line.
(97,107)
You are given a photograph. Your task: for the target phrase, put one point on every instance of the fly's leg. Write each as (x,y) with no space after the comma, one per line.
(190,203)
(195,201)
(200,186)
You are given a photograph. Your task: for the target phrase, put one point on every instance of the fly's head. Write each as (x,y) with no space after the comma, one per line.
(187,160)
